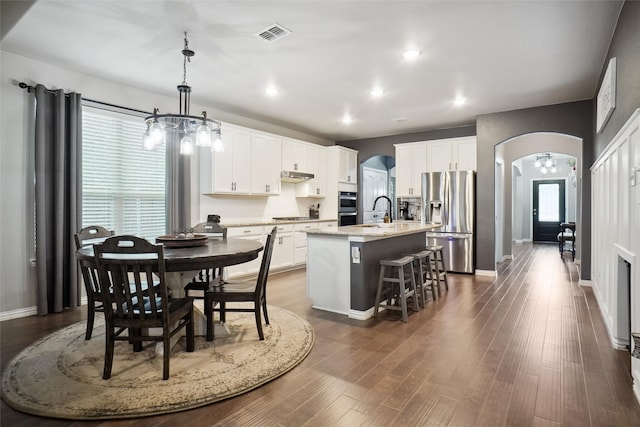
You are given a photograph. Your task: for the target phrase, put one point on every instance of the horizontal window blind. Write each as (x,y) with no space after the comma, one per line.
(123,186)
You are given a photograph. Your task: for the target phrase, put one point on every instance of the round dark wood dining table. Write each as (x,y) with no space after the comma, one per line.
(218,252)
(182,264)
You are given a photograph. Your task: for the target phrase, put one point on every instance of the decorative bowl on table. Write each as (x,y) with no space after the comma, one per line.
(183,240)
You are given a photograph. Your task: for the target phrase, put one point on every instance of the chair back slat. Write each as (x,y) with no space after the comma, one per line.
(129,269)
(91,232)
(265,264)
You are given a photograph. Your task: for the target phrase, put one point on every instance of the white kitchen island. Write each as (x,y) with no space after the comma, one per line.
(343,264)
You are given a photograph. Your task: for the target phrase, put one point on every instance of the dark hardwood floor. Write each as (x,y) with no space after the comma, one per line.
(526,349)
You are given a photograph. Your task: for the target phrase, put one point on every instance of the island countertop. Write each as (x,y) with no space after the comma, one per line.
(366,232)
(343,264)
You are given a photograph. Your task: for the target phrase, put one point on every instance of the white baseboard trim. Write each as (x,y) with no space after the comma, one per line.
(518,241)
(362,315)
(586,283)
(506,258)
(490,273)
(636,390)
(16,314)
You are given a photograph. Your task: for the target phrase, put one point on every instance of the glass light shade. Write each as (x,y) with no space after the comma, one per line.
(218,144)
(548,163)
(553,169)
(537,163)
(147,142)
(186,145)
(154,136)
(543,169)
(203,136)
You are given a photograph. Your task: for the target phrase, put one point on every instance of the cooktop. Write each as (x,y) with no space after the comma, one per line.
(291,218)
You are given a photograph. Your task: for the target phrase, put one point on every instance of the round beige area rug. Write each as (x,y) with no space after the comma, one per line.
(60,375)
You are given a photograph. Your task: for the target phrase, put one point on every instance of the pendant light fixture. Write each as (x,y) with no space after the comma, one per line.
(207,132)
(545,163)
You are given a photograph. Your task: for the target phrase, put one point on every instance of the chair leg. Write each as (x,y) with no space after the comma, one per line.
(264,310)
(137,343)
(166,354)
(91,313)
(378,293)
(191,341)
(208,312)
(108,353)
(402,294)
(258,320)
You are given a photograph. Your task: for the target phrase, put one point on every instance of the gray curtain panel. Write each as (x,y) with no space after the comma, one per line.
(58,142)
(178,185)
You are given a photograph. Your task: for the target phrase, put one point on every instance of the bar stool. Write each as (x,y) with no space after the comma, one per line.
(438,269)
(424,276)
(394,287)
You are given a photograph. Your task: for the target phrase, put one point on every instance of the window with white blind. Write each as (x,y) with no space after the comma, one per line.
(123,186)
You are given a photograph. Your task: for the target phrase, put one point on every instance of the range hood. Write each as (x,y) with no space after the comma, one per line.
(295,176)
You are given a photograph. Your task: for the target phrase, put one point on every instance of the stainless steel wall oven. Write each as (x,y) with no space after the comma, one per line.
(347,208)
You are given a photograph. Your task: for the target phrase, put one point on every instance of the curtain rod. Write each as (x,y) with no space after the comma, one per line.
(30,88)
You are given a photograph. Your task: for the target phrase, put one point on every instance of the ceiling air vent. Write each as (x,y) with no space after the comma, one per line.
(273,33)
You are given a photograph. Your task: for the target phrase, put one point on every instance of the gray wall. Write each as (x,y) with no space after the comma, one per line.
(574,118)
(625,47)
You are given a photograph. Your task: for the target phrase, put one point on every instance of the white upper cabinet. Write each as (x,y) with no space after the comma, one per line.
(294,155)
(265,165)
(411,161)
(346,161)
(226,172)
(452,154)
(317,165)
(249,165)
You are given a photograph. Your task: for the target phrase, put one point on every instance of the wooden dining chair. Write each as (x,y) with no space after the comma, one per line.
(207,277)
(224,292)
(90,275)
(125,265)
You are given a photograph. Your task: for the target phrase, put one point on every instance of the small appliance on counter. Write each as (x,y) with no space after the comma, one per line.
(409,209)
(213,226)
(314,211)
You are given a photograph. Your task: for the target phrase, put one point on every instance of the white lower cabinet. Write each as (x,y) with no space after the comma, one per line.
(283,248)
(257,233)
(300,241)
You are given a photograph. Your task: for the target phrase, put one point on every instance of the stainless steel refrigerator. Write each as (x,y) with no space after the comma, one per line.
(448,198)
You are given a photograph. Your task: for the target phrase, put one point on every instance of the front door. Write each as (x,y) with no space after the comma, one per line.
(548,209)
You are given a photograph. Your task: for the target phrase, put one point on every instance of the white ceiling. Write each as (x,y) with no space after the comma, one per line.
(500,55)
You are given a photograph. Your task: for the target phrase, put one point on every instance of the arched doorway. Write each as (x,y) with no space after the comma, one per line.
(377,179)
(515,208)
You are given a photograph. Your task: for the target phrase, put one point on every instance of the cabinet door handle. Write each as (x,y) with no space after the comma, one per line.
(295,166)
(456,165)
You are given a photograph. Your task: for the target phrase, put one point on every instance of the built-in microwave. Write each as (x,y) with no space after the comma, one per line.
(347,218)
(347,201)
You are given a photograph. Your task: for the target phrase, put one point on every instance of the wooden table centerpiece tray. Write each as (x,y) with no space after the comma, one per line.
(183,242)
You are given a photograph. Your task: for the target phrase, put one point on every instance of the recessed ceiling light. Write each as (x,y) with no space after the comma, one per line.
(271,90)
(411,54)
(377,92)
(346,119)
(460,101)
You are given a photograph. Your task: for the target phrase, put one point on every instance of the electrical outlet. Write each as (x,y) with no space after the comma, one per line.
(355,255)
